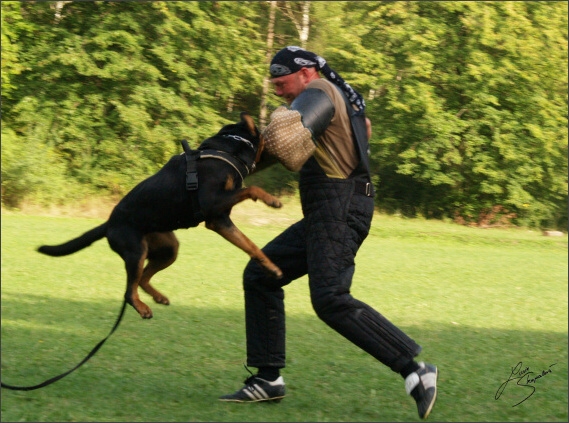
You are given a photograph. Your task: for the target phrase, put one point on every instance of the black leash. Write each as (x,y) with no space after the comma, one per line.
(56,378)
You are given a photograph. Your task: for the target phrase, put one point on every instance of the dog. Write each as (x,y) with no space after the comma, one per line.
(192,187)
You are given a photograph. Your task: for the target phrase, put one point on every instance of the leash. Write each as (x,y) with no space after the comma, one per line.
(61,376)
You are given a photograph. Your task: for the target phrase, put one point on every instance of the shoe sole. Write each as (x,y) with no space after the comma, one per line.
(274,399)
(431,405)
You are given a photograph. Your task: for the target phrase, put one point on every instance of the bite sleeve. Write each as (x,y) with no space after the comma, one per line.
(291,134)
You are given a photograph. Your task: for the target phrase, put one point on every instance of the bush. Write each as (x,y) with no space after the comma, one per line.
(34,173)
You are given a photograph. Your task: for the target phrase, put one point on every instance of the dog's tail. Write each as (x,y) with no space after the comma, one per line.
(75,244)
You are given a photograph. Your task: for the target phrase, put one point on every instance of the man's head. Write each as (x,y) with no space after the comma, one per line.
(291,59)
(292,69)
(291,85)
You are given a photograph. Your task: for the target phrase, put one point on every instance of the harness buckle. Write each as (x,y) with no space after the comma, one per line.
(364,188)
(191,181)
(191,167)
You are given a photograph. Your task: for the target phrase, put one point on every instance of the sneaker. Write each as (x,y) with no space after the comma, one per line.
(257,389)
(422,386)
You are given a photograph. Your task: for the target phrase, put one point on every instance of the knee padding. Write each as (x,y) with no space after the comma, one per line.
(365,327)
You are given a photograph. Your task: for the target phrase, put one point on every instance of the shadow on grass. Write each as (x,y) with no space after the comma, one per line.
(173,368)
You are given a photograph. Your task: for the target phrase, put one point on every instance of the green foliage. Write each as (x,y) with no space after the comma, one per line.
(33,171)
(117,88)
(471,105)
(12,24)
(468,99)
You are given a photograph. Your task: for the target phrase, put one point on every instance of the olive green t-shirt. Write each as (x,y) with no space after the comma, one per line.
(335,150)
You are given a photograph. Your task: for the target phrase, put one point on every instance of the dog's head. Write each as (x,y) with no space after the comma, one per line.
(242,140)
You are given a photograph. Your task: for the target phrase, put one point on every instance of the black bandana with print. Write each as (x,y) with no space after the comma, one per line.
(292,58)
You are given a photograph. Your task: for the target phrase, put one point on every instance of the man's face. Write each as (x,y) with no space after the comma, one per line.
(289,86)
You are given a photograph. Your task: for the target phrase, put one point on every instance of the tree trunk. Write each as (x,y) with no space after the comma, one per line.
(305,28)
(302,26)
(58,6)
(270,38)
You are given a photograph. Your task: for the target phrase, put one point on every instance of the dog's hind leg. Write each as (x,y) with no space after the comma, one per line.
(162,252)
(133,248)
(225,227)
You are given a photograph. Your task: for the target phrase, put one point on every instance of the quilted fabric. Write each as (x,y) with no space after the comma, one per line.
(287,139)
(337,227)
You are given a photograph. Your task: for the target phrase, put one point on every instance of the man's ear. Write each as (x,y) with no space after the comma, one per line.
(308,74)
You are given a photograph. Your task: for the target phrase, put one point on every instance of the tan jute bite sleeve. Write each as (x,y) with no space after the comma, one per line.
(287,139)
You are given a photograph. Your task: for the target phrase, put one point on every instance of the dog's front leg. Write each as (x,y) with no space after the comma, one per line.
(225,227)
(256,193)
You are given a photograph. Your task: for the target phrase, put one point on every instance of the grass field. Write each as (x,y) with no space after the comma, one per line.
(478,301)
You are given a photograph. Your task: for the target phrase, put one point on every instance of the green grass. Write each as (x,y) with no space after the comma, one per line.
(478,301)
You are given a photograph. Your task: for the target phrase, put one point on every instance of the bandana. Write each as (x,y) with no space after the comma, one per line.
(291,59)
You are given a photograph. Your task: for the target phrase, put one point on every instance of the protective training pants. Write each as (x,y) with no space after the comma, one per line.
(323,245)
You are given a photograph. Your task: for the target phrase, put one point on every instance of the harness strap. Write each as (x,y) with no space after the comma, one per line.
(357,122)
(226,157)
(192,157)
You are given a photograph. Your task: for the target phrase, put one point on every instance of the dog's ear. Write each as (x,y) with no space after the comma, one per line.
(245,117)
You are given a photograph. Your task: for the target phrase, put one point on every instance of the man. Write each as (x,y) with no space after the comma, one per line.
(324,134)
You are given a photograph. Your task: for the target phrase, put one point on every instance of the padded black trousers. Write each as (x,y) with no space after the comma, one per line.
(323,245)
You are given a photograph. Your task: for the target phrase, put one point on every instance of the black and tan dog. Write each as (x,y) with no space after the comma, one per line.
(141,225)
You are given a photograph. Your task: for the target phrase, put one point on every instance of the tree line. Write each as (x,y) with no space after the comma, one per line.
(468,100)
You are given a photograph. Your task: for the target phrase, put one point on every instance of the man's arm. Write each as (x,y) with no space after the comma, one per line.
(292,133)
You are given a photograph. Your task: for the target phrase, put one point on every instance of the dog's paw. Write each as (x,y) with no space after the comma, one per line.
(270,268)
(274,203)
(274,271)
(146,314)
(144,311)
(161,299)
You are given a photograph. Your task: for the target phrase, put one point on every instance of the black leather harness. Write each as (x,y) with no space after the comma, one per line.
(192,157)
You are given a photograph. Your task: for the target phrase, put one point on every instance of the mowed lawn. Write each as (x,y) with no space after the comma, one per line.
(479,302)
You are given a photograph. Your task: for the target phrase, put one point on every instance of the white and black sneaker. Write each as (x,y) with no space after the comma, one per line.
(257,389)
(422,386)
